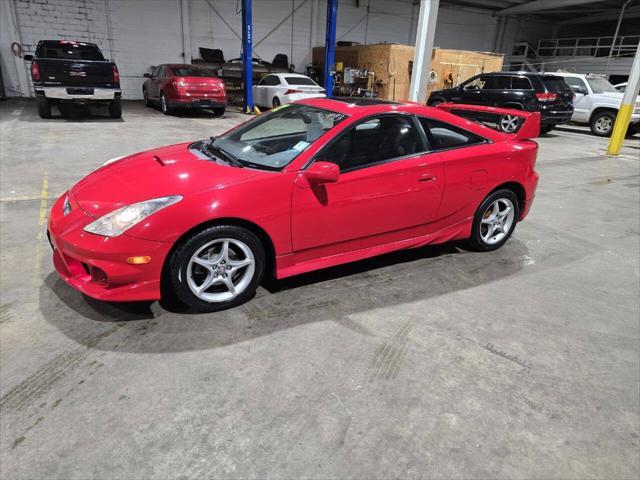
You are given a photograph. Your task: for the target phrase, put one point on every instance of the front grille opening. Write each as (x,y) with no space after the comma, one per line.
(98,276)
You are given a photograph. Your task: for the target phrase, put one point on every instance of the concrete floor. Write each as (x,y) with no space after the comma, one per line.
(440,363)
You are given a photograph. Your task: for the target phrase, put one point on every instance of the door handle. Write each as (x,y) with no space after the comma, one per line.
(427,178)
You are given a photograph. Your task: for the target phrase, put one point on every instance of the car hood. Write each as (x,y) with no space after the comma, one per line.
(173,170)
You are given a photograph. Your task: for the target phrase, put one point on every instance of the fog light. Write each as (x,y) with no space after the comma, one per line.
(98,276)
(139,260)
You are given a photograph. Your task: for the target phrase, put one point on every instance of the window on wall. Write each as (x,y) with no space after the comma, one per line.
(374,141)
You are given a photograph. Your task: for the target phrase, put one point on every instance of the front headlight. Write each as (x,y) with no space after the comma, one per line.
(114,223)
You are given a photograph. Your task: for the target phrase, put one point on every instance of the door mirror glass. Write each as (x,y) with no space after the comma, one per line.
(582,90)
(27,58)
(322,172)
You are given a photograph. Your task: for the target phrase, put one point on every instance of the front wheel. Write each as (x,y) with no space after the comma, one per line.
(601,123)
(494,220)
(219,111)
(217,268)
(546,129)
(275,102)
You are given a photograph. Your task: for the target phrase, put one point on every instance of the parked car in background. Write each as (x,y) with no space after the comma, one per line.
(303,187)
(281,88)
(621,87)
(174,86)
(597,103)
(66,71)
(531,92)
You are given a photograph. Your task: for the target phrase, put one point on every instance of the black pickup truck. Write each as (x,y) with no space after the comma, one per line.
(73,72)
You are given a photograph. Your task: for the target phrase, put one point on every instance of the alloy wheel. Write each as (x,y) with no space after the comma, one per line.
(220,270)
(603,125)
(509,123)
(497,221)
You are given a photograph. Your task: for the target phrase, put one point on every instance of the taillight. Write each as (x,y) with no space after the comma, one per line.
(116,75)
(291,92)
(546,97)
(35,70)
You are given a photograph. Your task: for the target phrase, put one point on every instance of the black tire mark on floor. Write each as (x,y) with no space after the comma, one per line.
(32,387)
(386,363)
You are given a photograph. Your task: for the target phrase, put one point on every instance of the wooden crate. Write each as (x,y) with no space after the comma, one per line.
(392,65)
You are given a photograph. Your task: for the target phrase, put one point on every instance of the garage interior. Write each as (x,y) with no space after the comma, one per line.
(436,362)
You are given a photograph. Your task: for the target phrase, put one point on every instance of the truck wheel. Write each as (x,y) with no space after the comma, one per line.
(115,109)
(602,123)
(219,111)
(44,107)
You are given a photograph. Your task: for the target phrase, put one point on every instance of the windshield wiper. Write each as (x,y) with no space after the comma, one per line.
(233,160)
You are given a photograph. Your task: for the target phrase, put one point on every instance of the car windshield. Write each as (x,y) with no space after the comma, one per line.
(192,72)
(600,85)
(300,81)
(274,139)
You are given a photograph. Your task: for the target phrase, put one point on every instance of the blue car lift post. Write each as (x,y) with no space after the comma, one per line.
(247,54)
(330,45)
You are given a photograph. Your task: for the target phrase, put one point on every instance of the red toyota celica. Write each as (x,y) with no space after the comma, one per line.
(306,186)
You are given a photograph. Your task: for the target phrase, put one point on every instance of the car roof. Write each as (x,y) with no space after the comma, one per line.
(521,73)
(285,74)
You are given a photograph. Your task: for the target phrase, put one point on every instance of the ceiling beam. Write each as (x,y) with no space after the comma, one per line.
(540,5)
(633,12)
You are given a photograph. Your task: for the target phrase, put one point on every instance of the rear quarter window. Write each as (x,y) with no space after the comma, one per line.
(443,135)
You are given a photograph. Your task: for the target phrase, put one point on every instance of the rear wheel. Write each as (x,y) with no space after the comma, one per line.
(44,107)
(219,111)
(495,220)
(275,102)
(601,123)
(508,123)
(115,108)
(164,107)
(145,95)
(546,129)
(217,268)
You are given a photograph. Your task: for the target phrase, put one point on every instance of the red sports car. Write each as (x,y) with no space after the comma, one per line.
(306,186)
(184,86)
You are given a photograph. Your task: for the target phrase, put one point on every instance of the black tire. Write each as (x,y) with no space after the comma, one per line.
(476,240)
(219,111)
(601,123)
(164,107)
(275,102)
(44,107)
(115,109)
(546,129)
(179,262)
(145,95)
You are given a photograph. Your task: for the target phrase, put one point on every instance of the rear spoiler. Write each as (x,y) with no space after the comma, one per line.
(530,128)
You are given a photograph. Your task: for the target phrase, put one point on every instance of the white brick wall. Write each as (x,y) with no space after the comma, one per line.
(149,32)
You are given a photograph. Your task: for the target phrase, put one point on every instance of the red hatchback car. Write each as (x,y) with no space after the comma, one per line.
(306,186)
(184,86)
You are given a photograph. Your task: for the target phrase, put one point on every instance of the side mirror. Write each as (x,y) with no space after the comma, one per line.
(581,90)
(322,172)
(27,57)
(147,75)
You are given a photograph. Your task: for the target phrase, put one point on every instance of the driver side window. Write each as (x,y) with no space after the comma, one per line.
(375,141)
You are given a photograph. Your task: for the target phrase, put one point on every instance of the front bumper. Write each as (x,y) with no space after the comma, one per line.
(97,266)
(79,93)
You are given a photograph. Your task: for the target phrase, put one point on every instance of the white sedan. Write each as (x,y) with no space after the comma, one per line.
(281,88)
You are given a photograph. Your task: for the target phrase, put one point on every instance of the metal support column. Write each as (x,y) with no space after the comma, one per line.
(247,57)
(626,108)
(424,47)
(330,45)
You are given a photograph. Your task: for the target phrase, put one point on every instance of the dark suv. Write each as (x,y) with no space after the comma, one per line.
(532,92)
